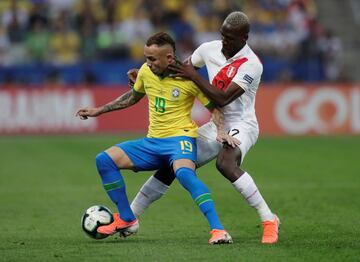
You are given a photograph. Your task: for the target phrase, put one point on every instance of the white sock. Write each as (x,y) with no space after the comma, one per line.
(151,191)
(246,186)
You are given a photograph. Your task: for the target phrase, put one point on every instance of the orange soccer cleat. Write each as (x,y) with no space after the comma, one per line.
(271,231)
(117,226)
(219,237)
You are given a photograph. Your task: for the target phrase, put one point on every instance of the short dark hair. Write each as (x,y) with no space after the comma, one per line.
(161,39)
(238,19)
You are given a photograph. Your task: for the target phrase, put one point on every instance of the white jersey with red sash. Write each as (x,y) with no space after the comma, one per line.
(244,69)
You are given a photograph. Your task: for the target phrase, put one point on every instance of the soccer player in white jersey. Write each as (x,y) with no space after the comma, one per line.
(234,72)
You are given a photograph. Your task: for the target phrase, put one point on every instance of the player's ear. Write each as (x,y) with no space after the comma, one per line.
(171,58)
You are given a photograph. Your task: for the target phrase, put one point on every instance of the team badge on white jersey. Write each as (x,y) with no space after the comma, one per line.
(244,69)
(231,71)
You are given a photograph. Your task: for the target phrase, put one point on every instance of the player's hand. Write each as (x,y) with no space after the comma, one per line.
(132,75)
(223,137)
(86,112)
(185,70)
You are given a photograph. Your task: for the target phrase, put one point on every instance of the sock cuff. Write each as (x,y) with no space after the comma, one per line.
(243,182)
(184,169)
(104,159)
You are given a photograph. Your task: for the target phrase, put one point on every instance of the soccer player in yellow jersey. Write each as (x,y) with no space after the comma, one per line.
(170,140)
(234,73)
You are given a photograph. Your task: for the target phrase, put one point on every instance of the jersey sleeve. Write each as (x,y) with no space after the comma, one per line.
(139,84)
(197,58)
(248,75)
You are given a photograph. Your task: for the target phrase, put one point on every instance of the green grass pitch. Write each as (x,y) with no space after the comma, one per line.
(313,184)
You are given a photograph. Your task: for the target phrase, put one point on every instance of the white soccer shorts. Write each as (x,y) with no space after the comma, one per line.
(208,147)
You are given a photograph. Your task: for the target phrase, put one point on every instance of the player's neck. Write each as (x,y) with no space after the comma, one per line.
(233,53)
(164,74)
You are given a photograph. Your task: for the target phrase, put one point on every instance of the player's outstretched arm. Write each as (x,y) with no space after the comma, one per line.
(215,94)
(124,101)
(222,136)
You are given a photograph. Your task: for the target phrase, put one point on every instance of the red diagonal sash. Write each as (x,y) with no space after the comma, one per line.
(227,73)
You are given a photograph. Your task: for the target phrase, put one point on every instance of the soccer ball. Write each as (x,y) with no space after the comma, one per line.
(95,217)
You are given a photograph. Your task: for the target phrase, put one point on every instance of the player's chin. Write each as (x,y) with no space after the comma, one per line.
(156,72)
(226,50)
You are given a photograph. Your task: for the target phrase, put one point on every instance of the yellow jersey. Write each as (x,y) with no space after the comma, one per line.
(170,103)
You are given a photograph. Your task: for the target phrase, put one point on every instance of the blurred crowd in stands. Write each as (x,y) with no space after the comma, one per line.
(72,41)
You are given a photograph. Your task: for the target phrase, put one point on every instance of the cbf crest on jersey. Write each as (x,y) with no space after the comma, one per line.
(175,92)
(231,71)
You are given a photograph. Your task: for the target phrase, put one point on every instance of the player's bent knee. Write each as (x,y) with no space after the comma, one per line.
(179,163)
(222,165)
(104,163)
(119,157)
(226,167)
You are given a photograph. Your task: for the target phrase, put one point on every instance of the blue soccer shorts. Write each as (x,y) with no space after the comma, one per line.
(154,153)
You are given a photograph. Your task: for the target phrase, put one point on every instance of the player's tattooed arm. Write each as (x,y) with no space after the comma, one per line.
(126,100)
(222,136)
